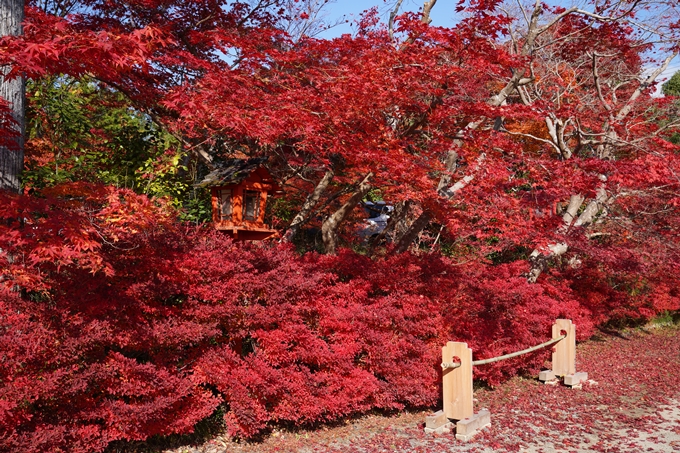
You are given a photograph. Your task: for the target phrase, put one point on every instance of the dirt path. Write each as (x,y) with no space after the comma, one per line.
(631,404)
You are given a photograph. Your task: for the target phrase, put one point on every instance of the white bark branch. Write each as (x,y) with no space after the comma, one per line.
(458,186)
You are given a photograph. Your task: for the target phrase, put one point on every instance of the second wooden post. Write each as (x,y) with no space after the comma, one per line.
(457,382)
(564,357)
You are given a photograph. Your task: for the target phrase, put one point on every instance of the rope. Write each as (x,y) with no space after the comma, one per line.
(447,365)
(515,354)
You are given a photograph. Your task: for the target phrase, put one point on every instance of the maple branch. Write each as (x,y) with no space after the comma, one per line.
(538,259)
(534,31)
(598,87)
(99,230)
(296,171)
(570,214)
(556,128)
(604,148)
(426,216)
(201,21)
(588,214)
(524,12)
(451,166)
(427,8)
(200,152)
(560,39)
(461,184)
(664,128)
(513,38)
(393,15)
(413,231)
(261,4)
(576,10)
(533,137)
(643,86)
(524,96)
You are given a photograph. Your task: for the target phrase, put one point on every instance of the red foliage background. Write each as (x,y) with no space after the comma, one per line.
(117,323)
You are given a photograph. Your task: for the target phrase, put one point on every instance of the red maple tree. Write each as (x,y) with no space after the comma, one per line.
(533,145)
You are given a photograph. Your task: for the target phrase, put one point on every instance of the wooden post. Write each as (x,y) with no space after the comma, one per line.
(457,382)
(239,205)
(214,198)
(564,357)
(263,207)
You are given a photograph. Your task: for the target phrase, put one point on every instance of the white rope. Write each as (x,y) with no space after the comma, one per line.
(515,354)
(447,365)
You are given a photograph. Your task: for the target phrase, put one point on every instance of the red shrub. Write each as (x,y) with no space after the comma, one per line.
(115,323)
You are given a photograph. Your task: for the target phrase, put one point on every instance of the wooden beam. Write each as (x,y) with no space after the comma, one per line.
(457,382)
(564,355)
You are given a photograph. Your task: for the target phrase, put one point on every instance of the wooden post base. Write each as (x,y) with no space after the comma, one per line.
(575,379)
(437,423)
(546,376)
(467,428)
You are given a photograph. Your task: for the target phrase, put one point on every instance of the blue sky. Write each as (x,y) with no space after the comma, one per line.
(442,13)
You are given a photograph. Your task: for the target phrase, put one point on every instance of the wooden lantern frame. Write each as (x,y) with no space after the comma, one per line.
(240,189)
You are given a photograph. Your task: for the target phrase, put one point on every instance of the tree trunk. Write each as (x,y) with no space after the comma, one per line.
(309,204)
(396,223)
(539,260)
(412,233)
(448,192)
(329,229)
(13,92)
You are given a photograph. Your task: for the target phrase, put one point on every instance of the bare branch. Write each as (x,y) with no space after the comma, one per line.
(427,8)
(598,87)
(643,86)
(458,186)
(393,15)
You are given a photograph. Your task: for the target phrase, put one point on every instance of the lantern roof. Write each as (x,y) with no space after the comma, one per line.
(232,171)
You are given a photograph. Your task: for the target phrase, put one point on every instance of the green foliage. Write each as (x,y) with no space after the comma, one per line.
(509,255)
(675,138)
(663,319)
(672,86)
(375,195)
(195,205)
(79,130)
(283,210)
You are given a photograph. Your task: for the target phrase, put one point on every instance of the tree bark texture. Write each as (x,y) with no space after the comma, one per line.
(416,227)
(12,90)
(396,223)
(540,260)
(308,206)
(329,229)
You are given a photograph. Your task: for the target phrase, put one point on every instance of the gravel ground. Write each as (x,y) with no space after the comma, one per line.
(630,404)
